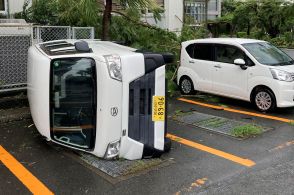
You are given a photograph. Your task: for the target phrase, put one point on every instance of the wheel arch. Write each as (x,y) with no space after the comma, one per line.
(187,76)
(253,91)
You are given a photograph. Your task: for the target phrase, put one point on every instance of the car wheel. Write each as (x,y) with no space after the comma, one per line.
(186,86)
(167,144)
(264,100)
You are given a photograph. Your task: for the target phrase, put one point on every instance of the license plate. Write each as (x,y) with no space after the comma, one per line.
(158,113)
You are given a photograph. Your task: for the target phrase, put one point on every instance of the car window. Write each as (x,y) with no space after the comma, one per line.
(190,50)
(200,51)
(267,54)
(227,54)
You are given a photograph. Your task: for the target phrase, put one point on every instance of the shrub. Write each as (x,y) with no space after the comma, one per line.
(190,33)
(242,35)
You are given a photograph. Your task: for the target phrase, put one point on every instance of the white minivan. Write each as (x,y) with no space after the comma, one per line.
(246,69)
(99,97)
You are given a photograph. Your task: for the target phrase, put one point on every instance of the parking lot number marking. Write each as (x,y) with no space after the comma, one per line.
(236,159)
(29,180)
(236,111)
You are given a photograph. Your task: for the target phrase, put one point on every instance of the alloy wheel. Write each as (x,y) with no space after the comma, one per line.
(263,100)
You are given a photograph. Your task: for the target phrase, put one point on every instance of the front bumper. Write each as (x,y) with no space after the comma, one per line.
(285,94)
(144,137)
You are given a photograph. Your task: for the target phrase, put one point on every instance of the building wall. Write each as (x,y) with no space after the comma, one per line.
(174,15)
(174,11)
(13,6)
(171,19)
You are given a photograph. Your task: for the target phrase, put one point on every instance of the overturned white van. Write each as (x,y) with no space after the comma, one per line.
(99,97)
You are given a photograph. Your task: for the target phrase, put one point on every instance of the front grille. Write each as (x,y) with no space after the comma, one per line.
(141,126)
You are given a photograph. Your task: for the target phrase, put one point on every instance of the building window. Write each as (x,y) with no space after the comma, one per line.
(3,7)
(195,9)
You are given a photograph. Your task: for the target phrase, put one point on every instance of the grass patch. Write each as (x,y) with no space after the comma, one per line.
(182,113)
(213,122)
(208,98)
(291,123)
(223,105)
(248,130)
(141,165)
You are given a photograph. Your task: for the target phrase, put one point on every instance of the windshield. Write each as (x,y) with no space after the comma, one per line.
(73,101)
(265,53)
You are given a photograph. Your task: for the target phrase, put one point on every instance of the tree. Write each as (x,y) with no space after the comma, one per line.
(137,5)
(244,16)
(270,16)
(88,12)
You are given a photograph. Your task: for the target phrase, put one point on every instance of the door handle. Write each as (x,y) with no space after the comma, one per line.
(191,62)
(217,66)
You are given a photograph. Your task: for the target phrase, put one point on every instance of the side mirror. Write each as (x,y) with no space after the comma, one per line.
(241,63)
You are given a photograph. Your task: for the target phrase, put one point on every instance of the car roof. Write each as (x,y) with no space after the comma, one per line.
(223,41)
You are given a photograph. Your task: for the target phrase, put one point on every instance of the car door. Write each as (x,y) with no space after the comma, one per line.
(230,79)
(200,61)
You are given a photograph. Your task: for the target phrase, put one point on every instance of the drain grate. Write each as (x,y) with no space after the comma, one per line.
(122,167)
(115,170)
(213,123)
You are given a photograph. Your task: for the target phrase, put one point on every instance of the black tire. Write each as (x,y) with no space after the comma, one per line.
(264,100)
(168,58)
(186,86)
(166,148)
(167,145)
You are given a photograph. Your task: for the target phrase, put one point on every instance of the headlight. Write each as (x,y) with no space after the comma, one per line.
(281,75)
(114,66)
(112,149)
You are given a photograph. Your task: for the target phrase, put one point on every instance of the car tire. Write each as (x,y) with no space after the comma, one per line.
(186,86)
(264,100)
(167,145)
(166,149)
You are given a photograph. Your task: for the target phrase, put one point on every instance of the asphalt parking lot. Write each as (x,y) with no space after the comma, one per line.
(202,162)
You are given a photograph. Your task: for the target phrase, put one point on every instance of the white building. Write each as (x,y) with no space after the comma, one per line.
(10,7)
(172,18)
(176,10)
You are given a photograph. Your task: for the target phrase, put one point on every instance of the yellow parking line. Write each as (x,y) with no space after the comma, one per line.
(236,111)
(29,180)
(236,159)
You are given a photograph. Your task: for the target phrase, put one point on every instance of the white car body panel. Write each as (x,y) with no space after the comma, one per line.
(230,80)
(111,93)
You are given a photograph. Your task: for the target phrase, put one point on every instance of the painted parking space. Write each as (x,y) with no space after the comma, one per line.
(216,152)
(195,167)
(238,111)
(28,179)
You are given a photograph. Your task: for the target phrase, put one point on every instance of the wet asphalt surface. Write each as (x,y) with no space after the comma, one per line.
(193,171)
(273,153)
